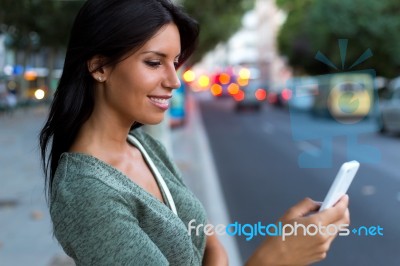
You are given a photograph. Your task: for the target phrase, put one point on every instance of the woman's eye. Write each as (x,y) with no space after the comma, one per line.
(153,64)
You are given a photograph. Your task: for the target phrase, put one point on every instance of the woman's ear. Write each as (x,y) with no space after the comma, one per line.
(97,69)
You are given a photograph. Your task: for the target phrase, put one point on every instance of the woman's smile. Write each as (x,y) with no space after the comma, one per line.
(161,102)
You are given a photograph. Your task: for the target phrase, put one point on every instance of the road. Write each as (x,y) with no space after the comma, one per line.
(265,165)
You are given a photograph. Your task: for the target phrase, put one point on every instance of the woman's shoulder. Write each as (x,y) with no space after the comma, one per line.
(83,180)
(71,162)
(75,169)
(82,174)
(73,166)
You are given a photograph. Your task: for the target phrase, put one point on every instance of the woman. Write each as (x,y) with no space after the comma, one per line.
(115,197)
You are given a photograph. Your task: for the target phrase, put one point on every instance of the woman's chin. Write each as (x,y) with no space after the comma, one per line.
(154,120)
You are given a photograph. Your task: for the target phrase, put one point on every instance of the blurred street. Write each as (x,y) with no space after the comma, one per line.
(25,228)
(257,162)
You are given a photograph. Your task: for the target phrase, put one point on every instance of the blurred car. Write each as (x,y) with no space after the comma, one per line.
(277,95)
(300,93)
(252,95)
(390,109)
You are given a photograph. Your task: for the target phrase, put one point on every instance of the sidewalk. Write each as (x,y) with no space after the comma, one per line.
(192,154)
(25,227)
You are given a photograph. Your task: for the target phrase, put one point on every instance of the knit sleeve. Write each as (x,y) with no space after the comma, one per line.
(95,227)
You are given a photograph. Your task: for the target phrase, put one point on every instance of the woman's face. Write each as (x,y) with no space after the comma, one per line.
(139,88)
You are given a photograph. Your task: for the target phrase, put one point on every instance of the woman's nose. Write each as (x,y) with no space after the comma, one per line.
(172,80)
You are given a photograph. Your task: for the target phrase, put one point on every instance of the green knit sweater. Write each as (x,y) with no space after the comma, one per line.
(101,217)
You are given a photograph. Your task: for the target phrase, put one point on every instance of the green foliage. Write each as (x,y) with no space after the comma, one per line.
(317,26)
(38,22)
(51,21)
(56,20)
(293,38)
(15,15)
(218,21)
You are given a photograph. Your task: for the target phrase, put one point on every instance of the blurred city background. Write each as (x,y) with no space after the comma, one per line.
(278,95)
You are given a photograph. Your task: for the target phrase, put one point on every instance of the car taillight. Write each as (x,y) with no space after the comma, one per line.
(239,96)
(260,94)
(233,88)
(286,94)
(216,90)
(224,78)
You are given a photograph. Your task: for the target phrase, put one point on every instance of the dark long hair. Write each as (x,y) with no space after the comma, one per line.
(112,29)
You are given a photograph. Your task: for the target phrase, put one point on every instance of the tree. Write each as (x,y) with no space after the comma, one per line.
(16,16)
(52,20)
(293,39)
(55,21)
(38,23)
(54,26)
(367,24)
(218,21)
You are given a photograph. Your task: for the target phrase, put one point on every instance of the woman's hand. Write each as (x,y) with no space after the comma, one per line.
(302,249)
(215,254)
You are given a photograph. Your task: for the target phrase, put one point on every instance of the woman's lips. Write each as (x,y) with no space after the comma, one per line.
(161,102)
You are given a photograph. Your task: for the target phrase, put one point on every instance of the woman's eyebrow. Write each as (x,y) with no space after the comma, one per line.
(158,53)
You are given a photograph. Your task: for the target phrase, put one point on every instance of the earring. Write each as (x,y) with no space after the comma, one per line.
(99,79)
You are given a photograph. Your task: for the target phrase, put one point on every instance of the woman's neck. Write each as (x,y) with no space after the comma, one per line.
(102,134)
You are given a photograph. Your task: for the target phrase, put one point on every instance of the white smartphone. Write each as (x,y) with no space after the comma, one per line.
(341,184)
